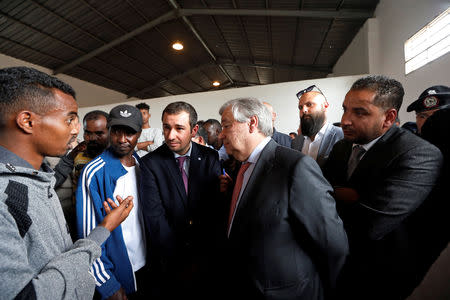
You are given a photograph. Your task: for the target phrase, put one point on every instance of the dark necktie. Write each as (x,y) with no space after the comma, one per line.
(357,152)
(236,191)
(181,160)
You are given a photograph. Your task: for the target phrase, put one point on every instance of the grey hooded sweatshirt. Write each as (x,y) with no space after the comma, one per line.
(37,257)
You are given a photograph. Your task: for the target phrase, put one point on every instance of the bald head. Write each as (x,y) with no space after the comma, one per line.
(270,108)
(312,108)
(312,102)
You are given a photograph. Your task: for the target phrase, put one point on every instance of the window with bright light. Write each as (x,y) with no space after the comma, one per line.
(429,43)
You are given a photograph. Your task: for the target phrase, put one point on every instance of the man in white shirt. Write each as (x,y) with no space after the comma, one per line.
(318,135)
(151,138)
(120,271)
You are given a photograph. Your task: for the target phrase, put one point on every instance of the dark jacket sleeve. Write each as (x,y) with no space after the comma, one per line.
(314,208)
(62,170)
(163,241)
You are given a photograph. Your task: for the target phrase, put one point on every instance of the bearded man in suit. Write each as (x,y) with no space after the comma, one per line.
(318,136)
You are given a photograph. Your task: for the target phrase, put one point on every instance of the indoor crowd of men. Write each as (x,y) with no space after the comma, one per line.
(223,209)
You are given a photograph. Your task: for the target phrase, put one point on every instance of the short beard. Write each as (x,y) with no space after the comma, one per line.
(94,150)
(312,125)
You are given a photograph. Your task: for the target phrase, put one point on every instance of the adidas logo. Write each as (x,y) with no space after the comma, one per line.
(125,114)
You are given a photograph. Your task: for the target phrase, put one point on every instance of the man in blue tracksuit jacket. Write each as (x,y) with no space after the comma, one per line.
(106,177)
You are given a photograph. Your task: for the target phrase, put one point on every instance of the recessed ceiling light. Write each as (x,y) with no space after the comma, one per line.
(177,46)
(216,83)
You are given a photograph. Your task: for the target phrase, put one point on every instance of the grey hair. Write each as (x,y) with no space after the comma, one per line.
(245,108)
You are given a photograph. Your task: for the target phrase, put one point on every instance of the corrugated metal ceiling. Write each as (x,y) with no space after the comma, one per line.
(125,45)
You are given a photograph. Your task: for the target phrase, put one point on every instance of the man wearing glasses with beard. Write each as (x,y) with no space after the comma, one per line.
(318,136)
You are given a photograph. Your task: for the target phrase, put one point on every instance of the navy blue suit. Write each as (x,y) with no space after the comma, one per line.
(281,138)
(181,226)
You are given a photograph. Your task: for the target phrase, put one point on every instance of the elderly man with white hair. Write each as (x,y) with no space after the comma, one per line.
(285,237)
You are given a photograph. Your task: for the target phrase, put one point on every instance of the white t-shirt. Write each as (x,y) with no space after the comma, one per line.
(133,226)
(150,134)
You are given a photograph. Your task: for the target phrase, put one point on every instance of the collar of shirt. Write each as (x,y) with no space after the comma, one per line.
(7,156)
(187,162)
(252,159)
(311,148)
(320,134)
(254,156)
(368,145)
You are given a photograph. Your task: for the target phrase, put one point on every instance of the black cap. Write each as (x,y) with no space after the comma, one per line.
(126,115)
(437,96)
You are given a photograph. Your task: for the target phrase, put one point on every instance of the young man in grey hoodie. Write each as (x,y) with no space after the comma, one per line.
(37,257)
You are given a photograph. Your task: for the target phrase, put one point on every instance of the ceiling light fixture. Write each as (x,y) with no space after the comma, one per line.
(216,83)
(177,46)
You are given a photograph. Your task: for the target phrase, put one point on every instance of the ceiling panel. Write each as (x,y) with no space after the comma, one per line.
(236,50)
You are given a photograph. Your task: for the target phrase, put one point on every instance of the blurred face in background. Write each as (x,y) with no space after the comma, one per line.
(96,136)
(145,116)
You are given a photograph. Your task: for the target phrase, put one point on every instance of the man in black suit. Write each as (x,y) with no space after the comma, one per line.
(286,240)
(179,191)
(381,174)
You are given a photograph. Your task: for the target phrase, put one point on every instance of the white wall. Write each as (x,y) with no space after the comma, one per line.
(396,21)
(87,93)
(280,95)
(355,59)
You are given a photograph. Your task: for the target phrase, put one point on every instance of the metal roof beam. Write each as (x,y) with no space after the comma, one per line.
(175,5)
(279,66)
(321,14)
(183,13)
(164,18)
(170,79)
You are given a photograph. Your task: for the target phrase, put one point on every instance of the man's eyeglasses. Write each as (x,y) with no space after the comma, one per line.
(309,89)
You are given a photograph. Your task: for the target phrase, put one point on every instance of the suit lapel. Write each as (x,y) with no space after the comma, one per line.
(174,172)
(262,169)
(327,137)
(372,156)
(195,162)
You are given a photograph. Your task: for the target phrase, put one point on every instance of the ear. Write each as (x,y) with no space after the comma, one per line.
(194,130)
(325,104)
(26,120)
(391,115)
(201,140)
(253,124)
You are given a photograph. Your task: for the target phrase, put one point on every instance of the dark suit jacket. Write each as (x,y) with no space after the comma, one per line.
(287,239)
(392,179)
(331,136)
(179,225)
(281,138)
